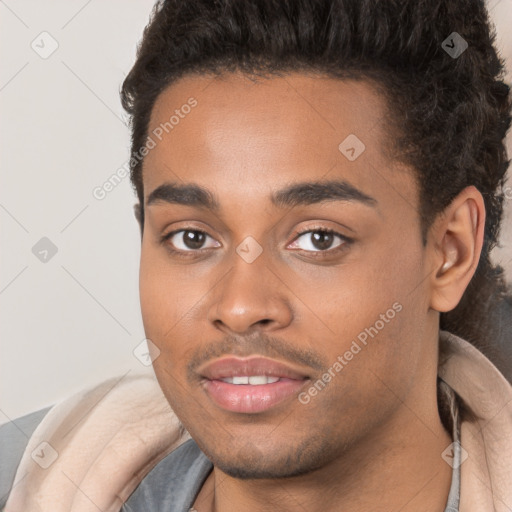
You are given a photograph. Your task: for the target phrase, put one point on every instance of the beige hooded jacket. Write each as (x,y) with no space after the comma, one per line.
(92,450)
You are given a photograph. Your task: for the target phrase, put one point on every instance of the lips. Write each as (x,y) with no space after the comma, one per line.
(250,385)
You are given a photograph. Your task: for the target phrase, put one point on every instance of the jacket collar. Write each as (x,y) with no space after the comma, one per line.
(486,425)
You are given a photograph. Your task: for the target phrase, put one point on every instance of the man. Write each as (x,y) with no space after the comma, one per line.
(319,189)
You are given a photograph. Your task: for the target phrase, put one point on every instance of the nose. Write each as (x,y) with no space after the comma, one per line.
(250,296)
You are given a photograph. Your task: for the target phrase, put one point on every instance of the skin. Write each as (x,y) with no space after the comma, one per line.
(372,438)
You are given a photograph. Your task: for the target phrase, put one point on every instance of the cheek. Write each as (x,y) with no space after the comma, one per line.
(165,303)
(173,304)
(370,371)
(163,297)
(161,286)
(376,318)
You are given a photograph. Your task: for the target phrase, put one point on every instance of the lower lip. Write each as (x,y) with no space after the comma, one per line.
(248,398)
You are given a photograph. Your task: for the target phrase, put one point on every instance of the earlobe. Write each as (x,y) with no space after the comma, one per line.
(457,240)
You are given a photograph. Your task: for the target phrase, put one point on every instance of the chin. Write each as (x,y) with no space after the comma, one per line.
(250,472)
(249,463)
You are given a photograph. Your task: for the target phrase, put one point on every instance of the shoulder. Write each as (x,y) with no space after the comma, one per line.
(125,415)
(14,437)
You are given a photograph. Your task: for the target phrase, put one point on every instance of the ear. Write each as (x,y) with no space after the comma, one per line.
(138,215)
(456,239)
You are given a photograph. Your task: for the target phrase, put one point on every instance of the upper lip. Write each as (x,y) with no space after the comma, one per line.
(232,366)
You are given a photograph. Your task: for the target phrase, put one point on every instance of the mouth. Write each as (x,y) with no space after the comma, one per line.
(250,385)
(253,380)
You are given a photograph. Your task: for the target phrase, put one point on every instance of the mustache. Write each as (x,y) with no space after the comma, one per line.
(260,344)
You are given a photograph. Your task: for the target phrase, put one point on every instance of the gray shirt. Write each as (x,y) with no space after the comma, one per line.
(174,483)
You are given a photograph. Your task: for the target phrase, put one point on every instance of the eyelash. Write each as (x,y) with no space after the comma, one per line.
(315,254)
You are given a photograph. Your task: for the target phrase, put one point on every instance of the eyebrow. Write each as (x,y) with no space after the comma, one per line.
(297,194)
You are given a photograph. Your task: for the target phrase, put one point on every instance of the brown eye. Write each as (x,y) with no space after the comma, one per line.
(322,240)
(187,240)
(319,240)
(193,239)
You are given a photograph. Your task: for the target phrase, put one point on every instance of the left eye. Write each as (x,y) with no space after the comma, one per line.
(321,240)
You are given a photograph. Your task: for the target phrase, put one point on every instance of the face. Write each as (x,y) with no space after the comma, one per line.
(283,295)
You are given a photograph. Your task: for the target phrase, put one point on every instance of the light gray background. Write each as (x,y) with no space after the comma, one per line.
(75,319)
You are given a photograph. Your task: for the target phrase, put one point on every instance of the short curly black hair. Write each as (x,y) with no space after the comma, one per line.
(449,113)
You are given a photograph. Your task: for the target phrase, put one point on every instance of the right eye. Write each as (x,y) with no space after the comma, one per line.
(186,240)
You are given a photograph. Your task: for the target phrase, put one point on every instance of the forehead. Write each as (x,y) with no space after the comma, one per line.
(246,135)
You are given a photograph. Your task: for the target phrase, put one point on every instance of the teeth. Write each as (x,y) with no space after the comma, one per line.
(258,379)
(254,380)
